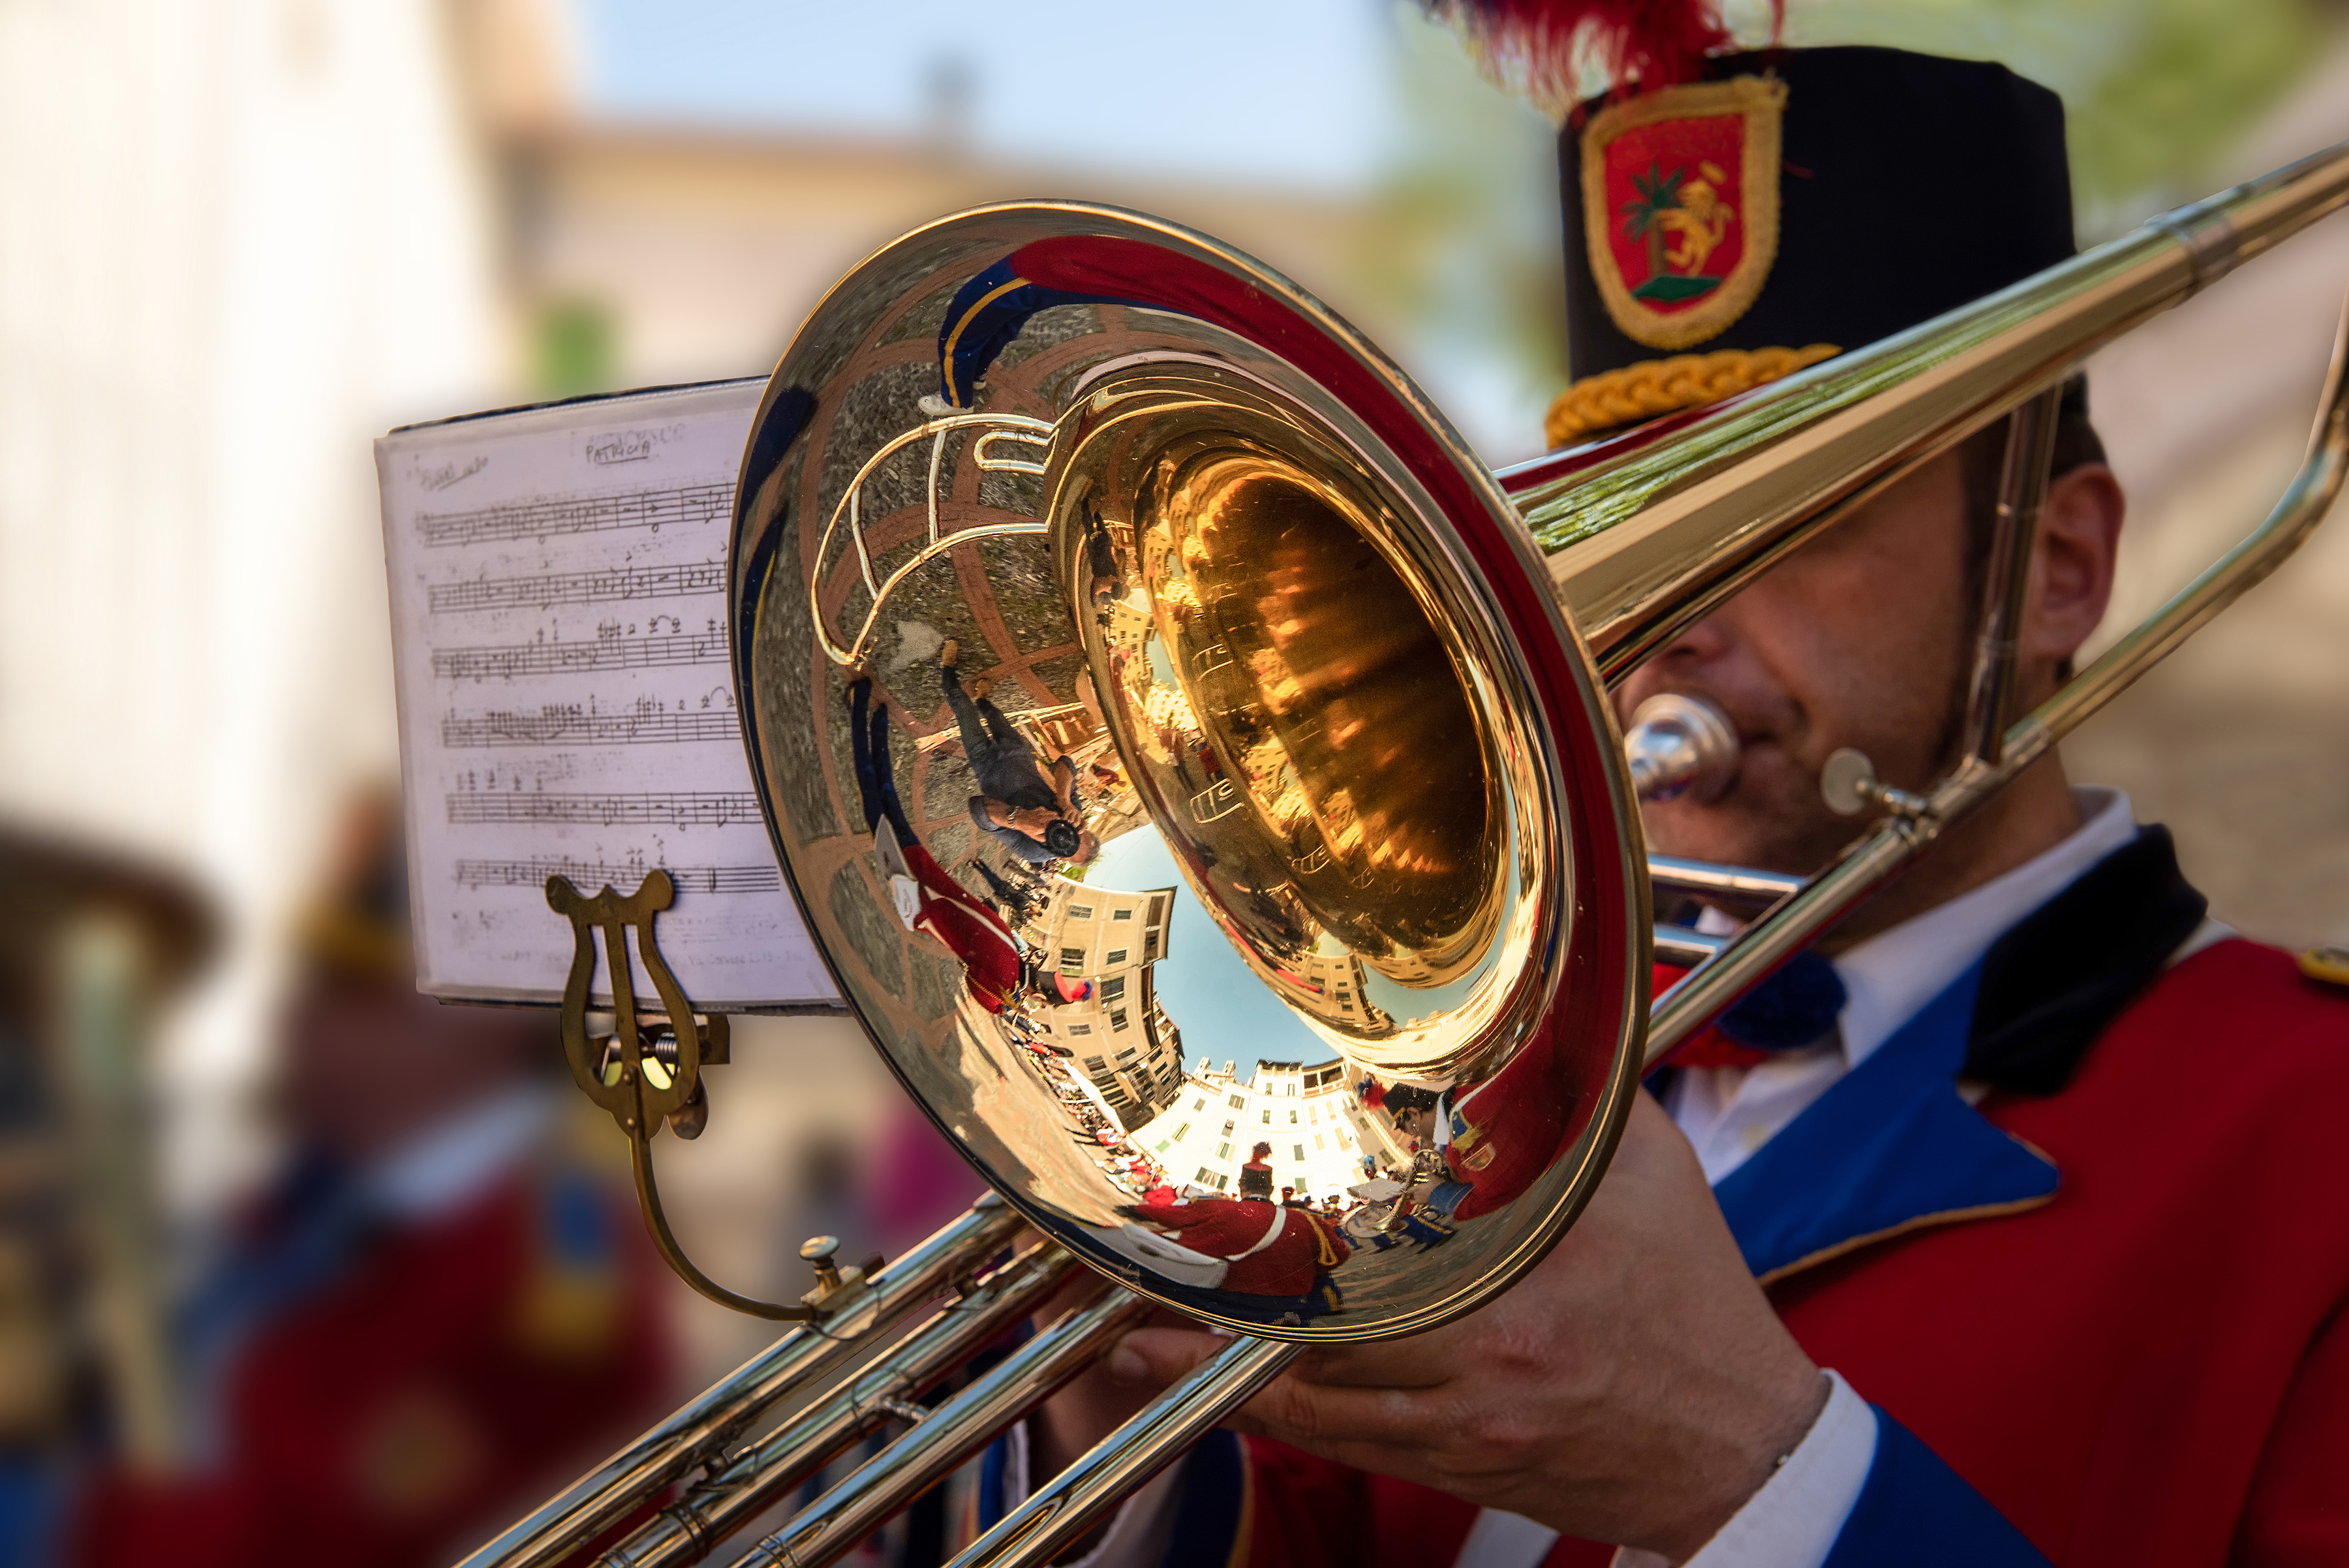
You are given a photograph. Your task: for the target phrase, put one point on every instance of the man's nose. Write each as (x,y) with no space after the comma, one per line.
(1689,652)
(1708,639)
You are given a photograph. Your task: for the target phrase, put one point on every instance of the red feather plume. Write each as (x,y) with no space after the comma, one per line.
(1540,46)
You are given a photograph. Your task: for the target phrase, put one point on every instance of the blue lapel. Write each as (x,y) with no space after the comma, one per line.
(1890,1147)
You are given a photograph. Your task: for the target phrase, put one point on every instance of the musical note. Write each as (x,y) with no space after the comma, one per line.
(602,653)
(676,808)
(622,875)
(701,506)
(647,723)
(577,588)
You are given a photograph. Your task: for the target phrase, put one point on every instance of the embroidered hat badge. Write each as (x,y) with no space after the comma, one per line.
(1679,191)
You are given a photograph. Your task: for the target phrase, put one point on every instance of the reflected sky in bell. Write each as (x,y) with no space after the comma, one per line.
(1224,1011)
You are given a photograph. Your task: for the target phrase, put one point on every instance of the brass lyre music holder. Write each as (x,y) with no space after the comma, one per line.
(649,1071)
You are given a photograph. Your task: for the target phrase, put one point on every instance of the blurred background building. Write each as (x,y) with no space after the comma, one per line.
(240,239)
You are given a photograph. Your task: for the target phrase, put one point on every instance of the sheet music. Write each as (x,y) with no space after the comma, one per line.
(566,705)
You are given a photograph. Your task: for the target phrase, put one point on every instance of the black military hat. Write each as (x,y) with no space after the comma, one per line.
(1788,204)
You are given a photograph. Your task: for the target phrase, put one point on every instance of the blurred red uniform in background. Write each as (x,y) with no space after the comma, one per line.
(438,1314)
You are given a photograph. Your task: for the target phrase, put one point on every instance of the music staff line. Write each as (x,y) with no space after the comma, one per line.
(576,658)
(618,583)
(569,725)
(589,875)
(670,808)
(697,505)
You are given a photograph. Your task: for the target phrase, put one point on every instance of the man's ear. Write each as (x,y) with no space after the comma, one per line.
(2072,565)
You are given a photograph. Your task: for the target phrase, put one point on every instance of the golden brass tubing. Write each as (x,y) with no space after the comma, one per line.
(949,1434)
(688,1530)
(1741,884)
(1058,1512)
(1689,1005)
(1643,545)
(2021,490)
(702,1430)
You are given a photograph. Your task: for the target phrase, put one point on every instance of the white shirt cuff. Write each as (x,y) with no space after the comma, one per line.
(1793,1521)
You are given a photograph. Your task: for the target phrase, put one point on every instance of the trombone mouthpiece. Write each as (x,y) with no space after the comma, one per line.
(1680,746)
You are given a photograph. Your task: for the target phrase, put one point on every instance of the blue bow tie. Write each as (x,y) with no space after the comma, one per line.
(1794,1007)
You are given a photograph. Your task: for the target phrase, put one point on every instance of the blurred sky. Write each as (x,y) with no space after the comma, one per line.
(1293,94)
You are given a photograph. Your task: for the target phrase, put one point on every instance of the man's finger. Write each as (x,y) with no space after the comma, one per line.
(1156,1358)
(1316,1414)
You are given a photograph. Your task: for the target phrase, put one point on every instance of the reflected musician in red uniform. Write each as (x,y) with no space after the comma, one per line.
(927,900)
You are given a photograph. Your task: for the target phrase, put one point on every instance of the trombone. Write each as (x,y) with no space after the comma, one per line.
(1200,461)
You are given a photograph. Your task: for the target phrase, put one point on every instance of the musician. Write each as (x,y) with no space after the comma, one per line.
(927,899)
(2011,1236)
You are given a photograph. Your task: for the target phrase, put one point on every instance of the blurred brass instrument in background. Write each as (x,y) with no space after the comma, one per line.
(1356,692)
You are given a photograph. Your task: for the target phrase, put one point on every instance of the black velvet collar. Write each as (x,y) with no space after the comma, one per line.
(2050,985)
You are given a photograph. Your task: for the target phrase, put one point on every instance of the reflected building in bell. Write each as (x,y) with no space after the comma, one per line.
(1120,1035)
(1312,1116)
(1330,986)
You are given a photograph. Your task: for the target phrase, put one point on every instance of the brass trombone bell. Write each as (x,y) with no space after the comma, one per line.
(1371,823)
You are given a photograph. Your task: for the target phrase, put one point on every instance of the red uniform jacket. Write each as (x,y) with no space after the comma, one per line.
(2114,1310)
(970,930)
(451,1377)
(1273,1252)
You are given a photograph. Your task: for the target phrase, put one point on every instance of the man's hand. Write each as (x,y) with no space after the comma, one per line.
(1634,1387)
(1031,820)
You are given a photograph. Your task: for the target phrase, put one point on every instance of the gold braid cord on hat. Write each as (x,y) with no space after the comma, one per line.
(1653,387)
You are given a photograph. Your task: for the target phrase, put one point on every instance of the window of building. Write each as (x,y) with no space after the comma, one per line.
(1072,961)
(1222,1151)
(1300,1154)
(1128,1054)
(1120,914)
(1077,1029)
(1205,1177)
(1150,944)
(1117,1021)
(1200,1104)
(1081,911)
(1318,1146)
(1181,1132)
(1162,1143)
(1095,1064)
(1114,986)
(1292,1118)
(1238,1102)
(1114,958)
(1268,1119)
(1228,1129)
